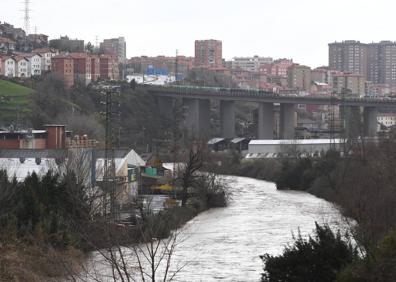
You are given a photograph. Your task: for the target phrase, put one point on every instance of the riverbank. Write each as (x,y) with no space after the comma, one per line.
(33,263)
(361,183)
(35,222)
(300,174)
(225,243)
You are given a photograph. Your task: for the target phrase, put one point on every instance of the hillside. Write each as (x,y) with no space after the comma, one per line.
(14,101)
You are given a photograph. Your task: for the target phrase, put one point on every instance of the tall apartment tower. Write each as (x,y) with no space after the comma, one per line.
(382,62)
(208,53)
(348,56)
(116,47)
(376,62)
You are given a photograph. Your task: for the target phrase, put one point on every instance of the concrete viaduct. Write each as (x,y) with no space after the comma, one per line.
(196,100)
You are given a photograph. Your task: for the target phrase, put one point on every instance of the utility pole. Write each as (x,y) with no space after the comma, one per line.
(176,65)
(27,16)
(110,180)
(332,121)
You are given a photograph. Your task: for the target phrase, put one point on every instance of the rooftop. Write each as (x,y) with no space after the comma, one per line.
(295,142)
(6,40)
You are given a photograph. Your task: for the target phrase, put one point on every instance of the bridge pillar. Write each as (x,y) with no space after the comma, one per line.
(370,121)
(197,117)
(204,118)
(165,106)
(351,117)
(266,121)
(227,119)
(287,121)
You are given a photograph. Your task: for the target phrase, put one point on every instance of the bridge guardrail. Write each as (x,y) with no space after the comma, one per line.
(243,93)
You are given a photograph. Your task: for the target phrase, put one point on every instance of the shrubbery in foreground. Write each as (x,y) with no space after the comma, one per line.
(318,258)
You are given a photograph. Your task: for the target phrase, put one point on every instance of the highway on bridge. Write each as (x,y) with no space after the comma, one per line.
(227,94)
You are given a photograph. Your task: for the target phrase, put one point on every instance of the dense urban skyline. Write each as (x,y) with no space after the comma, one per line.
(294,29)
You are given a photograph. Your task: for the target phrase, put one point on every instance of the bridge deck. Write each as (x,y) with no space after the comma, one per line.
(214,93)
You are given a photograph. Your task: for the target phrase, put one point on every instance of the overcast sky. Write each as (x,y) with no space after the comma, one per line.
(298,29)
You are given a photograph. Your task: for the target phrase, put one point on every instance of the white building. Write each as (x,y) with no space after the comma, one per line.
(7,45)
(22,66)
(46,57)
(250,63)
(386,119)
(284,148)
(7,66)
(21,163)
(34,66)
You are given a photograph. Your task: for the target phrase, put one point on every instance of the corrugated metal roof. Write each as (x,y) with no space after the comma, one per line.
(33,153)
(295,142)
(21,163)
(237,140)
(215,140)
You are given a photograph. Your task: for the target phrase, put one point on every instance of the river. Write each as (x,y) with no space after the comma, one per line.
(224,244)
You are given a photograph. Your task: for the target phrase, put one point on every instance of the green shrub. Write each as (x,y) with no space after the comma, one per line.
(317,258)
(378,266)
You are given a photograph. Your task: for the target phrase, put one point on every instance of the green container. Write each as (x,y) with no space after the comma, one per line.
(152,171)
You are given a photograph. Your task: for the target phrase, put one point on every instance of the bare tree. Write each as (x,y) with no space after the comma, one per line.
(188,175)
(148,258)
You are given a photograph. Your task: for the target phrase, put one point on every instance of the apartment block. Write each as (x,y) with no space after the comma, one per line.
(46,56)
(299,77)
(250,63)
(108,67)
(63,66)
(208,54)
(6,45)
(280,67)
(7,66)
(348,56)
(34,66)
(85,68)
(95,67)
(82,68)
(349,84)
(163,64)
(376,62)
(382,62)
(21,66)
(115,47)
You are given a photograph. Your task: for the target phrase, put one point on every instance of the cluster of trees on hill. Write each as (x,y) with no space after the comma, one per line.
(80,108)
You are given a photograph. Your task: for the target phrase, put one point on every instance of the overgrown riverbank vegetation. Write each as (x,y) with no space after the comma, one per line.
(362,183)
(57,219)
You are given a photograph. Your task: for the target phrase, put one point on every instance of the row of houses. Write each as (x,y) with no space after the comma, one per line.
(85,68)
(27,64)
(71,67)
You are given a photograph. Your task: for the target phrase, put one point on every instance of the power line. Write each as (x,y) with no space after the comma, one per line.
(110,180)
(26,12)
(176,64)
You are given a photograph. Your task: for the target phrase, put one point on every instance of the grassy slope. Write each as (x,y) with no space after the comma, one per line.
(14,100)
